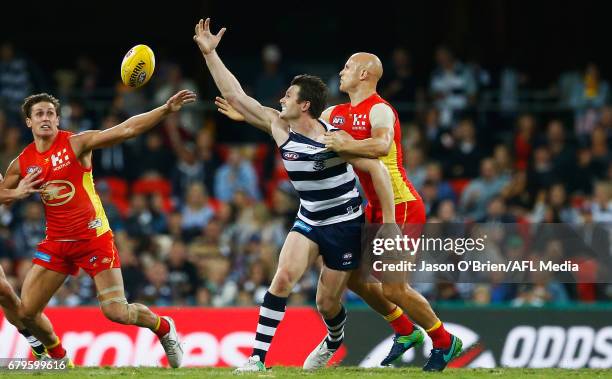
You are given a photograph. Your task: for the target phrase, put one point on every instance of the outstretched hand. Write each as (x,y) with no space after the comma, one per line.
(336,140)
(176,102)
(207,42)
(224,107)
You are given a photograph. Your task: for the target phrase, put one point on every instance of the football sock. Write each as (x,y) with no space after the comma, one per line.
(36,345)
(271,313)
(399,322)
(56,351)
(335,330)
(440,338)
(162,328)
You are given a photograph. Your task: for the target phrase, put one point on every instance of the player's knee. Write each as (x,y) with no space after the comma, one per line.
(116,312)
(327,305)
(394,292)
(283,282)
(28,314)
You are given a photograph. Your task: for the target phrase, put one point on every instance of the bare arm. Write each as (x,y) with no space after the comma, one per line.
(85,142)
(12,188)
(381,181)
(253,112)
(327,113)
(382,119)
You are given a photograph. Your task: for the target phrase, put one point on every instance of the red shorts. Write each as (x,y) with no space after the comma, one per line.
(66,257)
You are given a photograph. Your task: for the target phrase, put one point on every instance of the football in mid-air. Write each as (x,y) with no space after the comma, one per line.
(137,66)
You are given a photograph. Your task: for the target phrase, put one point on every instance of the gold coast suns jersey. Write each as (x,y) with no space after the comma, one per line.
(73,209)
(355,120)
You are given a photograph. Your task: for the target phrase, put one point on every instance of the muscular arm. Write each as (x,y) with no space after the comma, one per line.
(382,119)
(254,113)
(94,139)
(381,181)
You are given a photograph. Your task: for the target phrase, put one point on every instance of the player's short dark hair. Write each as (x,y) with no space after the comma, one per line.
(314,90)
(30,101)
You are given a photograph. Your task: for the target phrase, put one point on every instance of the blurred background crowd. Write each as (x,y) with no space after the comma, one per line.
(200,206)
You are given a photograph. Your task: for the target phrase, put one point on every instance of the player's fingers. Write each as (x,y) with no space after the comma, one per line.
(207,24)
(221,33)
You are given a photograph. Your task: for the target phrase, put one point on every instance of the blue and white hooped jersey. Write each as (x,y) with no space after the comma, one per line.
(325,182)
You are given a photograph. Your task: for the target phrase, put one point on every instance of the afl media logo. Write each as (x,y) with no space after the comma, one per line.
(57,192)
(32,169)
(290,156)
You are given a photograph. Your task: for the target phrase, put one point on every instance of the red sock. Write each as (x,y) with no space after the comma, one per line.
(56,351)
(440,338)
(400,323)
(162,328)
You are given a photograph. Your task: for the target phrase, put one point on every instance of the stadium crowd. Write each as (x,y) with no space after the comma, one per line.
(199,220)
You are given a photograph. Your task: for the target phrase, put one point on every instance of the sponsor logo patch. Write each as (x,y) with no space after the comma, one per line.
(42,256)
(290,156)
(302,225)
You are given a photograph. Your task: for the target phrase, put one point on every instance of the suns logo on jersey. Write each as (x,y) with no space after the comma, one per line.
(57,192)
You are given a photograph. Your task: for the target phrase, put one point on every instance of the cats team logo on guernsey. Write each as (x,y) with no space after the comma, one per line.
(319,165)
(338,120)
(32,169)
(290,156)
(57,192)
(60,160)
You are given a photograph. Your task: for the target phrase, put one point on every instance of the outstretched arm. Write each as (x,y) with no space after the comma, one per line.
(85,142)
(382,120)
(382,183)
(254,113)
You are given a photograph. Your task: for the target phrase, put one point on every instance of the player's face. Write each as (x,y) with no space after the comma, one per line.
(349,76)
(290,108)
(43,120)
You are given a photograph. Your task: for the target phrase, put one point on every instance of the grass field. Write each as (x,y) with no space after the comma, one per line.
(283,372)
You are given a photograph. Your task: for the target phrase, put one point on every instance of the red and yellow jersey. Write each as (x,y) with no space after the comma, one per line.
(72,207)
(355,120)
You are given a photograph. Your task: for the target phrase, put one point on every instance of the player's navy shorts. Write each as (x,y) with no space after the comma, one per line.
(339,244)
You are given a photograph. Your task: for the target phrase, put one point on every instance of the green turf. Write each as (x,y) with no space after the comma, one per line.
(282,372)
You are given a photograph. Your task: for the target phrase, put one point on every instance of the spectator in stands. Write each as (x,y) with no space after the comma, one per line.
(480,191)
(10,147)
(414,161)
(183,275)
(115,219)
(558,202)
(237,174)
(76,119)
(196,212)
(562,154)
(600,151)
(157,290)
(114,160)
(159,160)
(516,195)
(434,175)
(173,80)
(465,156)
(143,221)
(17,80)
(270,84)
(223,290)
(523,140)
(588,96)
(602,203)
(541,174)
(429,194)
(399,83)
(257,282)
(452,87)
(497,212)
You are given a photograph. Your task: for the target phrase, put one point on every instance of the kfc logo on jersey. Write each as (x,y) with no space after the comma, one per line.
(33,169)
(338,120)
(290,156)
(60,160)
